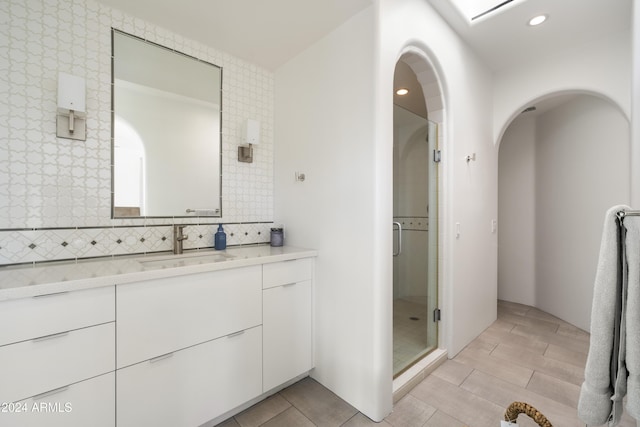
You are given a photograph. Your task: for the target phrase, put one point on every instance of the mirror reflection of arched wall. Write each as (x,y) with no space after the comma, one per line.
(416,117)
(561,166)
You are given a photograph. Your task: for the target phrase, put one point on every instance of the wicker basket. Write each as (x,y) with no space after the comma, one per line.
(517,408)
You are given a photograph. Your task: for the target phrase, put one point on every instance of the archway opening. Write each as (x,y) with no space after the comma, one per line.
(417,116)
(563,162)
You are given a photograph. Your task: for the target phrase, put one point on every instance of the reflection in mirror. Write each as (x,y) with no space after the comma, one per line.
(166,131)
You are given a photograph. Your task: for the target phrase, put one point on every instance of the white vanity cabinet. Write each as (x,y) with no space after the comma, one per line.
(287,321)
(51,349)
(190,347)
(184,347)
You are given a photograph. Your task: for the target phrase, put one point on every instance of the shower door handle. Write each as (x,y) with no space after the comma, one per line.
(397,224)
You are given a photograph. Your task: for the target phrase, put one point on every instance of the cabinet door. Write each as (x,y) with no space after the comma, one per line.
(287,333)
(87,403)
(191,386)
(160,316)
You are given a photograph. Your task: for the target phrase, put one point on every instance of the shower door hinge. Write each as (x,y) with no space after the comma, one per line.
(436,315)
(437,156)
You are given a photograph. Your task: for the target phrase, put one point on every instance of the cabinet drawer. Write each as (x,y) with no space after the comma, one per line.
(28,318)
(87,403)
(191,386)
(36,366)
(160,316)
(282,273)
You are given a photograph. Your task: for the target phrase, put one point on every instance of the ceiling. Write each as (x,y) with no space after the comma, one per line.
(266,33)
(502,37)
(269,33)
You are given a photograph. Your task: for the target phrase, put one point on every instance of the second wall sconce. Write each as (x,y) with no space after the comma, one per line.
(250,137)
(70,122)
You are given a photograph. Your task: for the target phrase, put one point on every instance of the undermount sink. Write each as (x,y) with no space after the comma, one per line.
(170,261)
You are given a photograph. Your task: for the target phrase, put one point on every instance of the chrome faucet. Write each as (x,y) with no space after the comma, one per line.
(178,237)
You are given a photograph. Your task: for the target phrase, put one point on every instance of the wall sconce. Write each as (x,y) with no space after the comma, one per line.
(251,137)
(71,115)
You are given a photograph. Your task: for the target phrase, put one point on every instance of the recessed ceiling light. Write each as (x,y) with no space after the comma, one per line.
(537,20)
(402,91)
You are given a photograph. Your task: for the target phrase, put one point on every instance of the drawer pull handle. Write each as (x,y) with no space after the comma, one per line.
(50,393)
(49,337)
(235,334)
(51,295)
(159,358)
(289,284)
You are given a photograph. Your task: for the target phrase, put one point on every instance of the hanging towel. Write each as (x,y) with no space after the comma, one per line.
(595,406)
(632,224)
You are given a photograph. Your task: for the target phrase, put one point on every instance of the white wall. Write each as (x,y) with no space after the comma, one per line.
(324,128)
(601,67)
(334,110)
(582,169)
(516,213)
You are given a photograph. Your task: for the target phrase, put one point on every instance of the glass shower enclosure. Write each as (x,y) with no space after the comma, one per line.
(415,239)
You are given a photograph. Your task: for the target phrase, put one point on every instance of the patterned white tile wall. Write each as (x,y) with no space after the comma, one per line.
(55,191)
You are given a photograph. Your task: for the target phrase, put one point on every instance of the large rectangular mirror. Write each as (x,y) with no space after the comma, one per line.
(166,131)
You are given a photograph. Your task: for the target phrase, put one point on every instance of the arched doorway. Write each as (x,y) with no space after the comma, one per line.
(562,163)
(417,114)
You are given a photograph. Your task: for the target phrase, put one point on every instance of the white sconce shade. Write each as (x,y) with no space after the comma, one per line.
(252,132)
(71,93)
(250,136)
(71,107)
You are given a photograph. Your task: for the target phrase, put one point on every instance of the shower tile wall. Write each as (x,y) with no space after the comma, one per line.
(55,194)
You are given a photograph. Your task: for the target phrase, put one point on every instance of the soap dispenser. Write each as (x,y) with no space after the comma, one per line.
(220,239)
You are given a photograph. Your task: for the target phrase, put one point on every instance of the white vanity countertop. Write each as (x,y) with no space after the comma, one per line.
(42,279)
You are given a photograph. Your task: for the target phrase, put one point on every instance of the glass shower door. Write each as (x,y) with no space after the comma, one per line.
(415,233)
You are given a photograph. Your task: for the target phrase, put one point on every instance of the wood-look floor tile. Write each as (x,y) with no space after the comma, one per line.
(290,418)
(502,325)
(575,344)
(231,422)
(507,338)
(410,412)
(503,394)
(359,420)
(263,411)
(318,403)
(512,308)
(573,332)
(578,358)
(440,419)
(537,324)
(536,313)
(553,388)
(510,372)
(467,407)
(522,357)
(481,344)
(453,372)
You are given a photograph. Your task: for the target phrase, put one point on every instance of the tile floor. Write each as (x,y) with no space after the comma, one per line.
(526,355)
(409,331)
